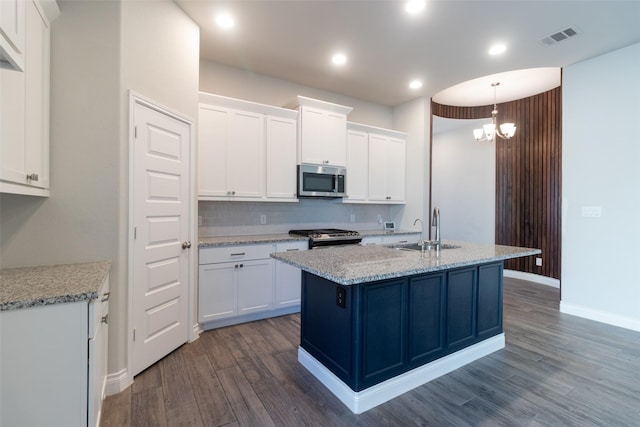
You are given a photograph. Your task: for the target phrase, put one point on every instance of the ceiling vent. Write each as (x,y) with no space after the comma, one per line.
(560,36)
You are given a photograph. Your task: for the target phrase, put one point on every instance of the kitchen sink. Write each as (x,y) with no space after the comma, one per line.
(428,246)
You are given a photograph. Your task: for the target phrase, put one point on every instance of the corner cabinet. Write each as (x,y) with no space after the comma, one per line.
(54,363)
(376,165)
(24,101)
(322,132)
(246,151)
(242,283)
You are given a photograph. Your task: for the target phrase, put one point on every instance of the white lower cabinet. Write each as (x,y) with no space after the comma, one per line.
(288,278)
(54,363)
(243,283)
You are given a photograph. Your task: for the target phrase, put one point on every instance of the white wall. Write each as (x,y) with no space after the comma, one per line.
(600,157)
(464,183)
(250,86)
(413,118)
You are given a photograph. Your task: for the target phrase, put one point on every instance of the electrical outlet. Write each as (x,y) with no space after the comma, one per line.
(263,219)
(199,219)
(341,297)
(379,219)
(538,262)
(352,217)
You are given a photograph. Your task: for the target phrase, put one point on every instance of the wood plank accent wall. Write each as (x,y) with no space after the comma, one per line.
(528,176)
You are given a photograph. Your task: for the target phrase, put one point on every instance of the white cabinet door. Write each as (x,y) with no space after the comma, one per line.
(387,169)
(396,170)
(213,130)
(218,296)
(98,353)
(288,278)
(37,98)
(12,33)
(281,158)
(334,138)
(357,166)
(311,121)
(245,155)
(377,168)
(255,286)
(401,238)
(230,153)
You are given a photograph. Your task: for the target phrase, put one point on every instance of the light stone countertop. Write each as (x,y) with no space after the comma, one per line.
(51,284)
(353,264)
(211,241)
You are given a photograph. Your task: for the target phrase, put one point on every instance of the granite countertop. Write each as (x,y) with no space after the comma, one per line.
(353,264)
(210,241)
(51,284)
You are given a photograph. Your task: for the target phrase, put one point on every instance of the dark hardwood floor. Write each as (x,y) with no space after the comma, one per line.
(556,370)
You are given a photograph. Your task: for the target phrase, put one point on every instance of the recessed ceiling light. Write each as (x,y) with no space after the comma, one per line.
(414,6)
(415,84)
(339,58)
(225,20)
(497,49)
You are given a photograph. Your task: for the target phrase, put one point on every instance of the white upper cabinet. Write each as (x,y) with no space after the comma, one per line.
(322,132)
(13,33)
(387,169)
(24,105)
(230,155)
(376,165)
(357,166)
(281,158)
(246,151)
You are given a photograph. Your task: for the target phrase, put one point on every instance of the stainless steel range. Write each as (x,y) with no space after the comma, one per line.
(328,237)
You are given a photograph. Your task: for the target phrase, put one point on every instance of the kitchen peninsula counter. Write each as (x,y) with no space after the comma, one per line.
(377,321)
(26,287)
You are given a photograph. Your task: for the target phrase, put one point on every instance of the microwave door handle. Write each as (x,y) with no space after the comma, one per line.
(335,183)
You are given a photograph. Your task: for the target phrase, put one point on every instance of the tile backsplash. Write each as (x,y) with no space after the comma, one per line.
(242,218)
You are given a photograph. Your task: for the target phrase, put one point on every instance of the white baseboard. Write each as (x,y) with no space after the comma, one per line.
(359,402)
(600,316)
(536,278)
(117,382)
(195,332)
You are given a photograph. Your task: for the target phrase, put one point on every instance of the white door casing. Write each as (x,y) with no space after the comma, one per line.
(161,260)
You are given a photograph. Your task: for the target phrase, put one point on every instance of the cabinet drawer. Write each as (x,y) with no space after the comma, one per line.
(235,253)
(292,246)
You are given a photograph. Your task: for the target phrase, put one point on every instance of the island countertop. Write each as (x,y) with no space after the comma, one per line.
(51,284)
(353,264)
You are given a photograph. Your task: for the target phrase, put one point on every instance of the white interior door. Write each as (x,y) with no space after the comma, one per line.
(161,254)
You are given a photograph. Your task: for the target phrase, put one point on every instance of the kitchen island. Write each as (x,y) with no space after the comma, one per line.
(378,321)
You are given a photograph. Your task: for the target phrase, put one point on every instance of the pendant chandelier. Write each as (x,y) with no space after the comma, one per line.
(489,131)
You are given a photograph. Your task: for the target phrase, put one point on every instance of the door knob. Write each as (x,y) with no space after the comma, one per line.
(186,244)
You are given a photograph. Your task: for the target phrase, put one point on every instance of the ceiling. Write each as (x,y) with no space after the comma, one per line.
(444,45)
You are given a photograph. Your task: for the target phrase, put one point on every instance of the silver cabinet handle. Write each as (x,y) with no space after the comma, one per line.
(293,250)
(186,244)
(238,254)
(32,177)
(105,297)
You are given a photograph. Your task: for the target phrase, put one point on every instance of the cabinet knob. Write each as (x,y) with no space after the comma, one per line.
(32,177)
(186,244)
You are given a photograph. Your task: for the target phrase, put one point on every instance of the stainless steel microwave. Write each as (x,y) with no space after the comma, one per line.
(321,181)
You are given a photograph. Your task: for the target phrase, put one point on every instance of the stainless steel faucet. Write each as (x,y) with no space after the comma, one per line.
(435,222)
(421,241)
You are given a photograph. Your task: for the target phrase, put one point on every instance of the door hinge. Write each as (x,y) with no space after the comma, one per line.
(135,233)
(134,334)
(135,132)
